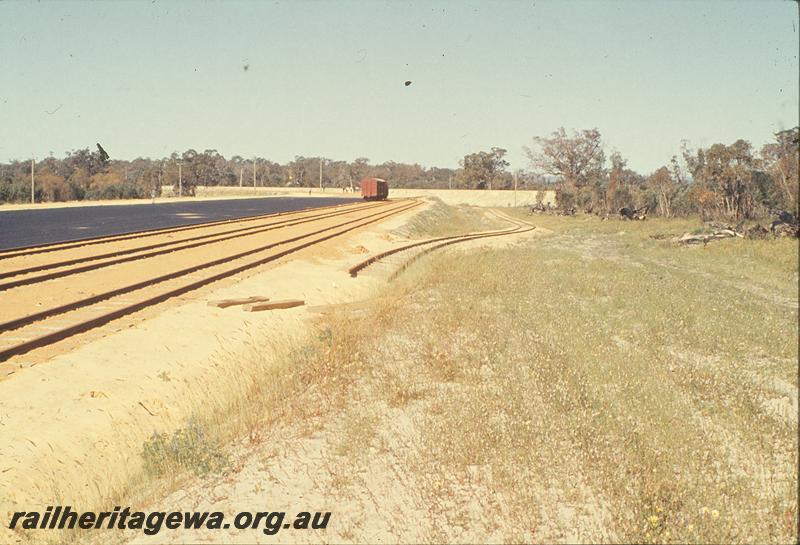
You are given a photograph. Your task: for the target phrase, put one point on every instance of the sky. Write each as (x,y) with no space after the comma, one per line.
(327,78)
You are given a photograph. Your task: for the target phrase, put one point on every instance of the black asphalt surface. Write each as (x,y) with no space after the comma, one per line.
(20,228)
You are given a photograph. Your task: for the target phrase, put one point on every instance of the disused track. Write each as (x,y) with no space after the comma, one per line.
(427,246)
(24,333)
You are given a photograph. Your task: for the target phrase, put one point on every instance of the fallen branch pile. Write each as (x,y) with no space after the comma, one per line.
(785,226)
(705,238)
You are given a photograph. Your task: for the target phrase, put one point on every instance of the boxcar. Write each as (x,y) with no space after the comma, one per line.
(374,189)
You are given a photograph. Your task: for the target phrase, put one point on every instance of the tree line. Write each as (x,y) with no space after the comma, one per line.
(87,174)
(732,181)
(723,180)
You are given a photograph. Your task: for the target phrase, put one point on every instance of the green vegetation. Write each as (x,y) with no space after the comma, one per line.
(722,181)
(185,449)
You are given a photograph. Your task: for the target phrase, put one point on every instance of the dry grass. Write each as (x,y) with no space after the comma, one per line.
(603,385)
(442,220)
(290,380)
(594,385)
(661,379)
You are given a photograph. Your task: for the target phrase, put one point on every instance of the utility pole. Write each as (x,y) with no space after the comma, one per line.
(241,175)
(180,180)
(33,195)
(254,172)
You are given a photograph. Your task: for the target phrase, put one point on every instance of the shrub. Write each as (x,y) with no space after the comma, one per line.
(185,449)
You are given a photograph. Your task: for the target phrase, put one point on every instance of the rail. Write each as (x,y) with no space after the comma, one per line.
(82,324)
(166,247)
(75,243)
(445,241)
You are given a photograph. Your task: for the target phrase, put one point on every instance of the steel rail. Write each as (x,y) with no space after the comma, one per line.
(19,322)
(355,269)
(91,323)
(74,243)
(167,247)
(405,265)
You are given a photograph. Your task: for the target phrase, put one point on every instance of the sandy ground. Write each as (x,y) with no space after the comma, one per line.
(81,418)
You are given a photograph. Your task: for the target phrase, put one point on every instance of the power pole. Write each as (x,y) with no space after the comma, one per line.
(33,197)
(180,180)
(254,172)
(241,174)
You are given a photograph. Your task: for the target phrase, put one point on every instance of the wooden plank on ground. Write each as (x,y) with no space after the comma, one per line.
(225,303)
(287,303)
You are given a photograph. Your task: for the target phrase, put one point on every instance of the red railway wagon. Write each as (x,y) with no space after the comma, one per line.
(374,189)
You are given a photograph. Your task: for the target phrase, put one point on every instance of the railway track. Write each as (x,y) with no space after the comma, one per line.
(66,244)
(74,312)
(426,246)
(24,275)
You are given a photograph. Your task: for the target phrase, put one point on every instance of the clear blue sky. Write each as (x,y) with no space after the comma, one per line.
(326,78)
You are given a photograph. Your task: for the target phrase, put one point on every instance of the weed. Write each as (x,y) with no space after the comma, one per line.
(185,449)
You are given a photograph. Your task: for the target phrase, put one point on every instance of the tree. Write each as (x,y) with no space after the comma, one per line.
(299,172)
(664,187)
(781,159)
(726,172)
(577,159)
(616,195)
(482,168)
(623,188)
(358,169)
(53,187)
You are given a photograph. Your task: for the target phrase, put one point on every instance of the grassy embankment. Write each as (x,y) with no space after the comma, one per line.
(605,385)
(651,386)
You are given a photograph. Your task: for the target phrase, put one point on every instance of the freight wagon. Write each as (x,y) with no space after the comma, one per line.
(374,189)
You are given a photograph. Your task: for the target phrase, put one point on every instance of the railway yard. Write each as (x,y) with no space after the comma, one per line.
(404,360)
(383,272)
(55,291)
(106,328)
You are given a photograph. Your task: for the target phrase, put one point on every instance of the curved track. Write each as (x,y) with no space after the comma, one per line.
(427,246)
